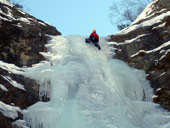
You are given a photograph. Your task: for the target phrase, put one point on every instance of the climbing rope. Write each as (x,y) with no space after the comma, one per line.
(133,114)
(117,92)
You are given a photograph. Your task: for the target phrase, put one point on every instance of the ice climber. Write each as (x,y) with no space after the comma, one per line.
(94,38)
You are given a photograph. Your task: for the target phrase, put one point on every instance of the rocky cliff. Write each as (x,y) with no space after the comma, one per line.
(145,45)
(22,37)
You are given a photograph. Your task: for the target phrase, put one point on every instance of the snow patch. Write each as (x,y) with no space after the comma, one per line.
(154,50)
(20,124)
(128,41)
(21,11)
(163,56)
(112,43)
(8,14)
(162,74)
(42,23)
(3,88)
(154,96)
(159,26)
(145,13)
(135,39)
(24,20)
(162,51)
(154,20)
(11,68)
(136,54)
(6,2)
(9,111)
(3,18)
(18,25)
(158,89)
(14,83)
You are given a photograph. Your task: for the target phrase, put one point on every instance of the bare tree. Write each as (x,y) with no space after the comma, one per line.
(124,12)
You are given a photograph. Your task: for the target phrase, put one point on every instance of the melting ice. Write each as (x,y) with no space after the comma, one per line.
(89,89)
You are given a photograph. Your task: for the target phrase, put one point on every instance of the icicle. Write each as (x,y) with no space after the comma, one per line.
(44,90)
(89,90)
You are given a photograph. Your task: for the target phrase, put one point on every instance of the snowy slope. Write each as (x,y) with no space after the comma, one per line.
(90,89)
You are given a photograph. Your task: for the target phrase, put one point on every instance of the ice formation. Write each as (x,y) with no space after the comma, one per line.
(89,89)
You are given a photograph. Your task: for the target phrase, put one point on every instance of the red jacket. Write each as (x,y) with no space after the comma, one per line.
(95,35)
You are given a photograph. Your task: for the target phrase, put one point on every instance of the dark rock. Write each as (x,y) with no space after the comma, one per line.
(147,47)
(22,37)
(5,122)
(16,96)
(163,97)
(19,97)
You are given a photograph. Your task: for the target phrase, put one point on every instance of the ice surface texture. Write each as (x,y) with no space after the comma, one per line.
(89,89)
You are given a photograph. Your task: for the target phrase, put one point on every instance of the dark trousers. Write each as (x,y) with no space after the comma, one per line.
(94,40)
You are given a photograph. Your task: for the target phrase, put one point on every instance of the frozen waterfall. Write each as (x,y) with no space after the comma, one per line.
(89,89)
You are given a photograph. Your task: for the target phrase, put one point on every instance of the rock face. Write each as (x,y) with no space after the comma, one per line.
(163,97)
(14,96)
(146,45)
(22,37)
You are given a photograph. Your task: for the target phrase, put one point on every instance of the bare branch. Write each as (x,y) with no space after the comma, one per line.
(126,11)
